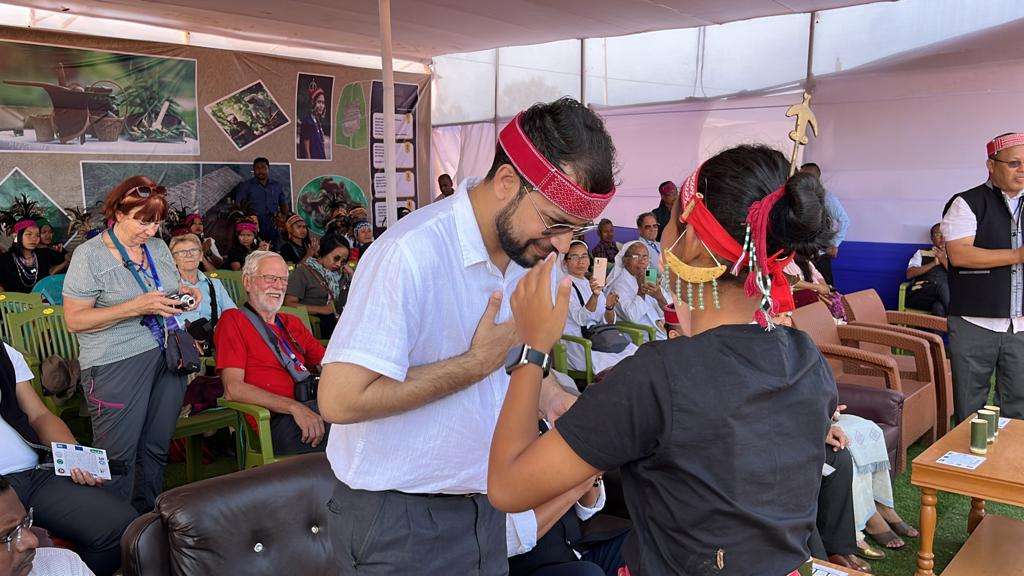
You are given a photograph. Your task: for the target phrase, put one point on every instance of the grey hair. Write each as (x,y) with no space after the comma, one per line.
(252,261)
(184,238)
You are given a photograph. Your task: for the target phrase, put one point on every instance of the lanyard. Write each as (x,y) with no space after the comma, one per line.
(282,343)
(132,267)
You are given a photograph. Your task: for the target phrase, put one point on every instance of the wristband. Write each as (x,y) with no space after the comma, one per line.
(609,308)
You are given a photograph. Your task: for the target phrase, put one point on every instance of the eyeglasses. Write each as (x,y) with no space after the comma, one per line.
(637,257)
(573,258)
(147,225)
(147,191)
(271,279)
(560,228)
(1012,164)
(187,252)
(14,536)
(651,226)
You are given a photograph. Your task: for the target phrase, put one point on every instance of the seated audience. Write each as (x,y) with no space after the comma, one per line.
(549,541)
(187,251)
(245,242)
(928,272)
(212,258)
(640,301)
(711,485)
(835,538)
(606,246)
(24,264)
(588,306)
(21,550)
(647,226)
(445,185)
(298,245)
(668,192)
(810,287)
(265,357)
(319,285)
(69,507)
(872,487)
(362,238)
(47,241)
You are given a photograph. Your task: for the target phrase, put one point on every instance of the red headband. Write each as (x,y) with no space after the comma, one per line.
(245,226)
(546,178)
(192,218)
(1004,142)
(696,214)
(24,224)
(671,316)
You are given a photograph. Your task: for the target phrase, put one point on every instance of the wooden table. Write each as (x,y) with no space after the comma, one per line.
(995,547)
(849,571)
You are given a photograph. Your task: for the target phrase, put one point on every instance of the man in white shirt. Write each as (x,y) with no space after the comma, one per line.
(982,230)
(412,377)
(647,226)
(72,507)
(927,271)
(20,554)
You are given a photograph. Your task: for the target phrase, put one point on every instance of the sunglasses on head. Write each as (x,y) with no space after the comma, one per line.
(147,191)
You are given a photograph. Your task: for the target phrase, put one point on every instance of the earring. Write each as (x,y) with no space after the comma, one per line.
(695,275)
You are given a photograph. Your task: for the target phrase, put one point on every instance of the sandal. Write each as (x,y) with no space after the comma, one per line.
(903,529)
(869,552)
(886,538)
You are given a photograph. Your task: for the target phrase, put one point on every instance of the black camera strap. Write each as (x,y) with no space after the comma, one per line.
(213,302)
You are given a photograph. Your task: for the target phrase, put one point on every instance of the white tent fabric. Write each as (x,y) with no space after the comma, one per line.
(426,28)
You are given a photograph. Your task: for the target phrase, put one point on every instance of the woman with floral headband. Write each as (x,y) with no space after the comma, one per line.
(27,262)
(245,241)
(719,434)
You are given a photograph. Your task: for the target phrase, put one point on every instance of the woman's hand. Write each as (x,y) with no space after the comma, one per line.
(263,245)
(611,300)
(154,303)
(79,476)
(313,248)
(595,286)
(539,322)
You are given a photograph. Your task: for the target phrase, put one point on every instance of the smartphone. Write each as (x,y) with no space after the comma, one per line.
(600,270)
(652,276)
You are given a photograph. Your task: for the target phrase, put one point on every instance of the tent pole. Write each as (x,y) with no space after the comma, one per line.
(810,55)
(387,67)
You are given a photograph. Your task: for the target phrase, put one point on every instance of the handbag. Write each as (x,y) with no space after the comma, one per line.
(180,352)
(603,337)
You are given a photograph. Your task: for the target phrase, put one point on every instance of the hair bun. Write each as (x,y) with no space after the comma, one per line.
(800,221)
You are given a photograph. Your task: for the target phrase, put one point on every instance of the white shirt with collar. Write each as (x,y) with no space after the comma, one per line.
(416,299)
(15,454)
(960,222)
(521,527)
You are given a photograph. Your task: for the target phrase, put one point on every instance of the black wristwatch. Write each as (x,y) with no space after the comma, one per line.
(523,355)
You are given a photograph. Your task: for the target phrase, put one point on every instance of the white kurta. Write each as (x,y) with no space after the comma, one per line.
(579,316)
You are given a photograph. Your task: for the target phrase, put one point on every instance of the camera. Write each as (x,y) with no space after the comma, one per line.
(305,391)
(185,301)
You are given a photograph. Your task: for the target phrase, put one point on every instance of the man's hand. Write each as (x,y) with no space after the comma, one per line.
(554,400)
(836,439)
(491,342)
(540,322)
(311,424)
(79,476)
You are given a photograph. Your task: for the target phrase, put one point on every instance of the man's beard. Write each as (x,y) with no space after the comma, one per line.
(264,303)
(513,248)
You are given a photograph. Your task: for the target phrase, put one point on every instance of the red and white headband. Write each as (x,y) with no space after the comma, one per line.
(548,179)
(1004,142)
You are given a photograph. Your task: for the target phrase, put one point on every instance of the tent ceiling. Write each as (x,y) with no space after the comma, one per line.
(426,28)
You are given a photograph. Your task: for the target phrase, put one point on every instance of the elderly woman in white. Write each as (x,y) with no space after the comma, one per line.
(589,305)
(640,301)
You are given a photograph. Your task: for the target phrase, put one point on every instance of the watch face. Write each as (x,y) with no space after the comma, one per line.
(514,357)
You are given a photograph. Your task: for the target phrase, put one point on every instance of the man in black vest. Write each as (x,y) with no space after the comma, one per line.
(982,229)
(68,507)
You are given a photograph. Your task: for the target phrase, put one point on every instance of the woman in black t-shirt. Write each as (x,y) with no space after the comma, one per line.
(24,264)
(719,435)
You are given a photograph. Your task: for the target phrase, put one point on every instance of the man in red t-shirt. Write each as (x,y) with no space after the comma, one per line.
(253,372)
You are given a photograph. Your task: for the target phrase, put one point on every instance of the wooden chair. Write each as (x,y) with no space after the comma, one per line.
(865,308)
(12,303)
(232,280)
(852,365)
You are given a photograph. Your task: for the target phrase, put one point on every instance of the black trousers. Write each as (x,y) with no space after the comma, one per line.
(933,297)
(836,532)
(287,436)
(824,266)
(93,519)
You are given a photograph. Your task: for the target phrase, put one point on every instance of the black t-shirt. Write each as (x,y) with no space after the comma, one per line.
(721,441)
(12,280)
(291,252)
(236,254)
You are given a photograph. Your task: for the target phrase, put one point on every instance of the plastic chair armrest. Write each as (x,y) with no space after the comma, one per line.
(262,417)
(918,347)
(588,349)
(887,364)
(916,320)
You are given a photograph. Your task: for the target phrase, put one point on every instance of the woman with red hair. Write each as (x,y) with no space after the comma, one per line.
(116,300)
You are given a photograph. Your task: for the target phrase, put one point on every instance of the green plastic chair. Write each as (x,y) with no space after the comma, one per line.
(193,428)
(559,358)
(39,333)
(587,375)
(12,303)
(232,280)
(51,289)
(904,288)
(255,446)
(649,332)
